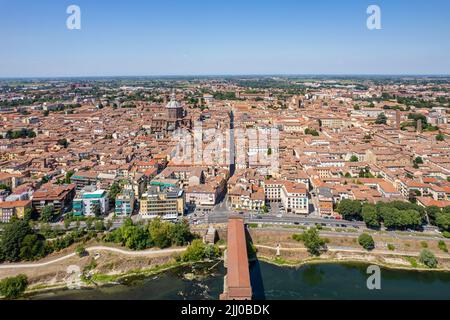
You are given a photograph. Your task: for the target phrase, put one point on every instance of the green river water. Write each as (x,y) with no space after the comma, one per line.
(316,281)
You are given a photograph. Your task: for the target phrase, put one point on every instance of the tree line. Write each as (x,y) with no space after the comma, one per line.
(394,215)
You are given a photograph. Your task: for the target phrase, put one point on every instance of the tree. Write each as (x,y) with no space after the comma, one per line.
(418,160)
(428,258)
(440,137)
(366,241)
(13,287)
(432,213)
(312,132)
(97,210)
(370,216)
(63,142)
(114,190)
(312,241)
(198,251)
(443,220)
(381,119)
(354,159)
(180,234)
(159,233)
(33,247)
(349,209)
(11,239)
(69,175)
(47,213)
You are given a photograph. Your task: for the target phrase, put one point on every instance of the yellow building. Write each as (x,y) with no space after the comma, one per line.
(8,209)
(166,203)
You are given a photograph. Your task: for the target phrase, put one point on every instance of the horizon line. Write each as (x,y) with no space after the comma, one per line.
(233,75)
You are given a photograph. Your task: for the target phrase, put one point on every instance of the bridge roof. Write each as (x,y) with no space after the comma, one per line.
(238,275)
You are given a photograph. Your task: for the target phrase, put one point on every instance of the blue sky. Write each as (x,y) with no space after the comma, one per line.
(181,37)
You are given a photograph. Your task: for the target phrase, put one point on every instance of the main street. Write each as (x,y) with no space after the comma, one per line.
(223,216)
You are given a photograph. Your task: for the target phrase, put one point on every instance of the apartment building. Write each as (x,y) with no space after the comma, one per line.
(9,209)
(58,196)
(167,203)
(124,203)
(294,198)
(91,202)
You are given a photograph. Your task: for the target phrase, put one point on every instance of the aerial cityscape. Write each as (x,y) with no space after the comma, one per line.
(222,185)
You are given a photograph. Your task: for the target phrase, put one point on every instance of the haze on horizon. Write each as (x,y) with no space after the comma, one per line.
(160,37)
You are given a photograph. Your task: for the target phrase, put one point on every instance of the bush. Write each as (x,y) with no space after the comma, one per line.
(427,258)
(391,247)
(198,251)
(446,234)
(13,287)
(366,241)
(424,244)
(81,251)
(442,246)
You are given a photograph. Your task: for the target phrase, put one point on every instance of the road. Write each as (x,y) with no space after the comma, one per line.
(286,219)
(149,253)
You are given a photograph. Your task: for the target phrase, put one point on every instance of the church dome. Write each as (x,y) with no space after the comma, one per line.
(173,103)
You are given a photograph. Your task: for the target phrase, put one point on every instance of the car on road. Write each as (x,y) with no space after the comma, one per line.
(258,217)
(296,223)
(279,216)
(241,212)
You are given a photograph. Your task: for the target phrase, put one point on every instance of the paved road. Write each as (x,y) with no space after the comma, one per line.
(287,219)
(149,252)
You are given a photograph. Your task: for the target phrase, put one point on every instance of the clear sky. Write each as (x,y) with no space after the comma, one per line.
(196,37)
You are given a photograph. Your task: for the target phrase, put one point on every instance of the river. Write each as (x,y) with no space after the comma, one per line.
(316,281)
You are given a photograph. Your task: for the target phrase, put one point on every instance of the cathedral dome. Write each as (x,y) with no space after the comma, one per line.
(173,103)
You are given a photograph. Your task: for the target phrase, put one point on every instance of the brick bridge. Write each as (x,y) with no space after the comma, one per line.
(237,280)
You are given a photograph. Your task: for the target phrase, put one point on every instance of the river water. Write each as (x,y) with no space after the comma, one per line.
(318,281)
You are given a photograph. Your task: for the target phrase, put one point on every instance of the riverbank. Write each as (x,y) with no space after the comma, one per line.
(109,264)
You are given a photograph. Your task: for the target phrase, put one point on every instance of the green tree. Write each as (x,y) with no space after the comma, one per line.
(12,238)
(381,119)
(13,287)
(370,216)
(354,159)
(428,258)
(33,247)
(198,251)
(63,143)
(159,233)
(350,209)
(443,220)
(312,241)
(180,233)
(47,213)
(114,190)
(440,137)
(68,176)
(366,241)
